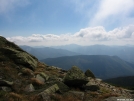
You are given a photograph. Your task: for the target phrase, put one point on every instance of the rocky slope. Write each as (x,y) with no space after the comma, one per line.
(24,78)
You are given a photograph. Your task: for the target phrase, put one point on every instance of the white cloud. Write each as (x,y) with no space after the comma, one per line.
(107,13)
(8,5)
(86,36)
(113,12)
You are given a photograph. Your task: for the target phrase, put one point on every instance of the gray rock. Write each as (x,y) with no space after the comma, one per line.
(26,59)
(88,73)
(40,78)
(92,85)
(20,74)
(29,88)
(62,87)
(45,94)
(97,79)
(52,89)
(20,57)
(45,76)
(75,77)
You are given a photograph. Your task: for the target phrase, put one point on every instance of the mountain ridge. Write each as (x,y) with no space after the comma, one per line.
(124,81)
(100,65)
(47,52)
(124,52)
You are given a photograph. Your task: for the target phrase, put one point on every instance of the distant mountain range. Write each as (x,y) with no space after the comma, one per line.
(102,66)
(124,52)
(47,52)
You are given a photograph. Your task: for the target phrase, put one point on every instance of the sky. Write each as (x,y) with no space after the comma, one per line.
(61,22)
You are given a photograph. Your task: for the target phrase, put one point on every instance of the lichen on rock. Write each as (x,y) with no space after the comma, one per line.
(75,77)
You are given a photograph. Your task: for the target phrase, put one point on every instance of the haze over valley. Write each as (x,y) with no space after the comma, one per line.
(104,61)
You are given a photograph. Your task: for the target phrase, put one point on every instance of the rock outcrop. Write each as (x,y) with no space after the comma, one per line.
(46,93)
(75,77)
(21,58)
(29,88)
(16,54)
(88,73)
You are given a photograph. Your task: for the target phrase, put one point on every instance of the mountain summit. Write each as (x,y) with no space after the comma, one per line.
(24,78)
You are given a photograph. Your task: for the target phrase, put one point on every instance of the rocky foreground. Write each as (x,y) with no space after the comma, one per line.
(24,78)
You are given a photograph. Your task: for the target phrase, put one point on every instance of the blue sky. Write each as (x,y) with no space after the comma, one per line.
(60,22)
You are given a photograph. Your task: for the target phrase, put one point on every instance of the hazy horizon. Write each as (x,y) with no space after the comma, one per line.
(78,45)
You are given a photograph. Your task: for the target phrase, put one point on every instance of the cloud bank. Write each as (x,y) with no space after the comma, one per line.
(107,13)
(86,36)
(114,12)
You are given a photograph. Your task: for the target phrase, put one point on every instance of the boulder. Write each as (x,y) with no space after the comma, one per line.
(75,77)
(11,51)
(62,87)
(45,94)
(52,89)
(40,78)
(98,80)
(88,73)
(20,57)
(91,87)
(29,88)
(45,76)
